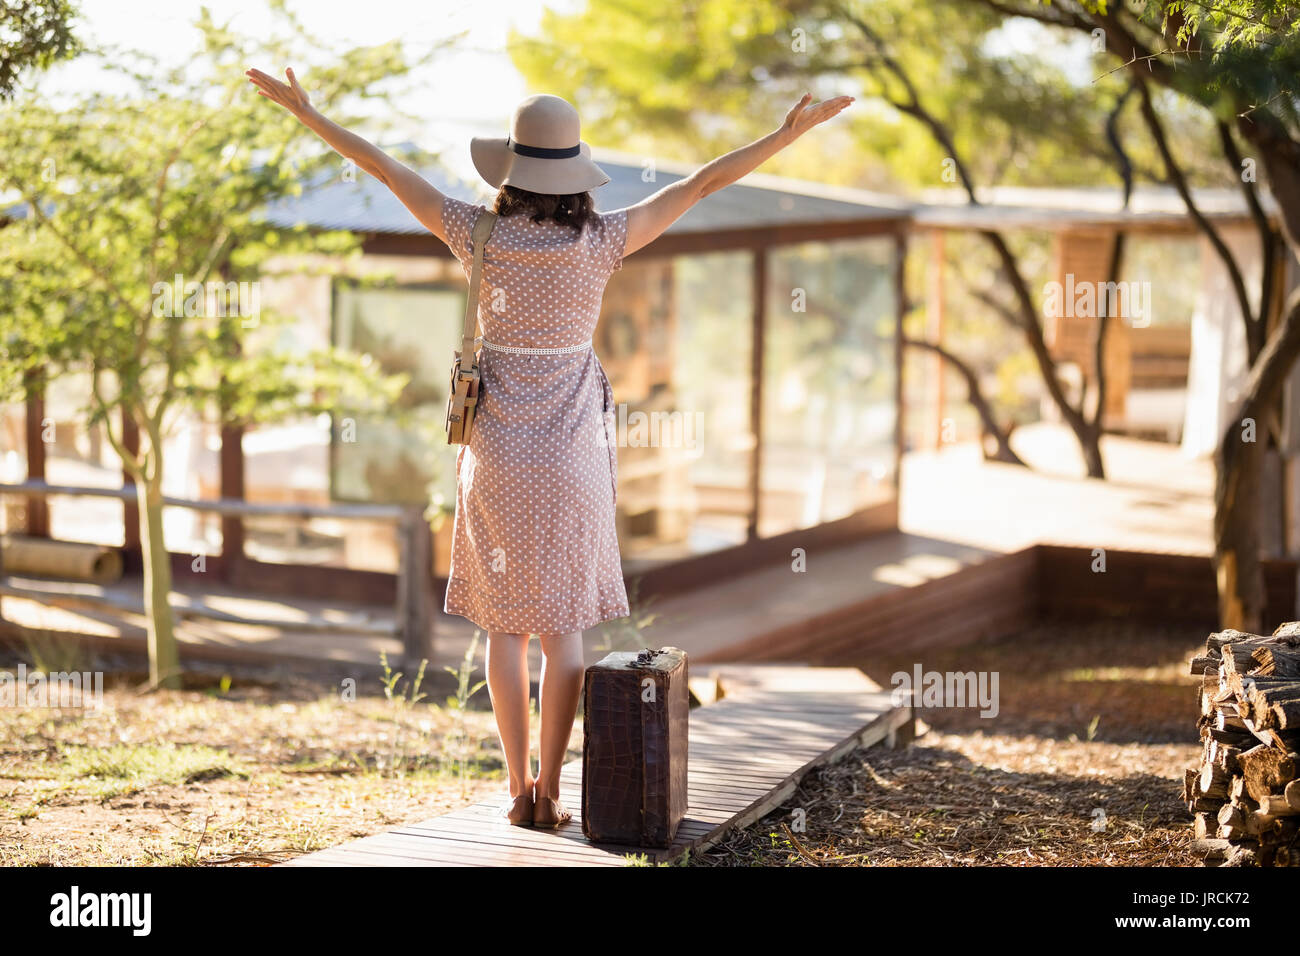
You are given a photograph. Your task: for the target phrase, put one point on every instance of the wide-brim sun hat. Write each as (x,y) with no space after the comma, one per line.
(544,152)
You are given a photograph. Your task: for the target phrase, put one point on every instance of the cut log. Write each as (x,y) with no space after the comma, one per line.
(1231,816)
(1213,782)
(1233,738)
(1265,770)
(1223,720)
(1211,849)
(1205,826)
(1276,661)
(1245,658)
(1216,641)
(1278,806)
(1221,755)
(1271,705)
(1285,741)
(1207,666)
(1242,854)
(1244,791)
(1261,824)
(1292,794)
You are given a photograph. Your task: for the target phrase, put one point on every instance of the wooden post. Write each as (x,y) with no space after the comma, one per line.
(38,513)
(414,610)
(758,325)
(232,487)
(935,330)
(900,313)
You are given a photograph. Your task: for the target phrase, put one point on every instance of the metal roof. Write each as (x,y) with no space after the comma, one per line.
(755,202)
(761,201)
(1023,207)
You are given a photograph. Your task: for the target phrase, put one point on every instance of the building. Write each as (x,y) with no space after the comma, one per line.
(752,348)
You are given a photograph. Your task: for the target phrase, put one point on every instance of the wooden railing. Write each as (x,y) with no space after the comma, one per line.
(412,620)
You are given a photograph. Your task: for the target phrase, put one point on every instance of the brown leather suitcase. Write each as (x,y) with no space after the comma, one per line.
(635,713)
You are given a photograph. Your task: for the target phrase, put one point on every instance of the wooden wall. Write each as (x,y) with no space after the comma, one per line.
(1070,338)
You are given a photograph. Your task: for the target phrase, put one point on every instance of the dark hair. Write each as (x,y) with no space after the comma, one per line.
(572,210)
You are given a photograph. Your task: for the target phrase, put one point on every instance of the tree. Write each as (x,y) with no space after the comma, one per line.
(978,116)
(33,35)
(137,256)
(1227,71)
(1236,61)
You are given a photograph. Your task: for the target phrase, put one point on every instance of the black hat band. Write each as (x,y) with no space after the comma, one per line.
(537,152)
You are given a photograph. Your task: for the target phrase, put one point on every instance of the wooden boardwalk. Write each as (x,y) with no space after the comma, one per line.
(748,752)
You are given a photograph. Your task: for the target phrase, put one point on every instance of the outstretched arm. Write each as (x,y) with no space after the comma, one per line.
(651,216)
(415,193)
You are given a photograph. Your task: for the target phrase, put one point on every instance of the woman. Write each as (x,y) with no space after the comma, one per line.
(534,546)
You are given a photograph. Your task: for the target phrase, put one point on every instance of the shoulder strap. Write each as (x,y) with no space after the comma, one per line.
(479,237)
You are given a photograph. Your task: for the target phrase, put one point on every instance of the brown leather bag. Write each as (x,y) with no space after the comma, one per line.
(635,716)
(466,387)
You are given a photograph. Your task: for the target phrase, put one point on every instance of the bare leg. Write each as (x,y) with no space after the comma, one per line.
(507,679)
(560,688)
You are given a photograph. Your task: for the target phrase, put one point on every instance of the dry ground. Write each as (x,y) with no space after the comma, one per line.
(241,775)
(1096,723)
(1093,717)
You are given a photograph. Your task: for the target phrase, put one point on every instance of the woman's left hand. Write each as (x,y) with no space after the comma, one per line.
(289,95)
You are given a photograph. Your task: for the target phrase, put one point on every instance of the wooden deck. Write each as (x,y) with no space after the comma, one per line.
(748,752)
(959,569)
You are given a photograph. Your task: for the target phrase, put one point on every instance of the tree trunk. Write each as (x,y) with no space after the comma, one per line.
(1089,438)
(164,662)
(1236,538)
(975,396)
(1238,466)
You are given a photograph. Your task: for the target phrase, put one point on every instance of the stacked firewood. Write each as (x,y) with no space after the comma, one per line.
(1244,793)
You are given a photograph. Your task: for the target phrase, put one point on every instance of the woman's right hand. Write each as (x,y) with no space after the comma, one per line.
(289,95)
(804,117)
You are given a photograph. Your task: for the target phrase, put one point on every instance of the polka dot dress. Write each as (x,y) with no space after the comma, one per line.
(534,547)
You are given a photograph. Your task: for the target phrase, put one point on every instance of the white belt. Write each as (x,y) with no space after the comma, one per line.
(554,351)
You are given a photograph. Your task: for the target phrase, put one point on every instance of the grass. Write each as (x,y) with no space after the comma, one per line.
(235,773)
(626,633)
(52,652)
(124,769)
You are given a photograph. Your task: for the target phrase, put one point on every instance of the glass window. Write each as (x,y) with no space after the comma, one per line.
(379,460)
(828,383)
(410,329)
(674,338)
(192,470)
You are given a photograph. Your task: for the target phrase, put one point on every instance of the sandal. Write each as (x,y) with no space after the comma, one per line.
(519,811)
(549,812)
